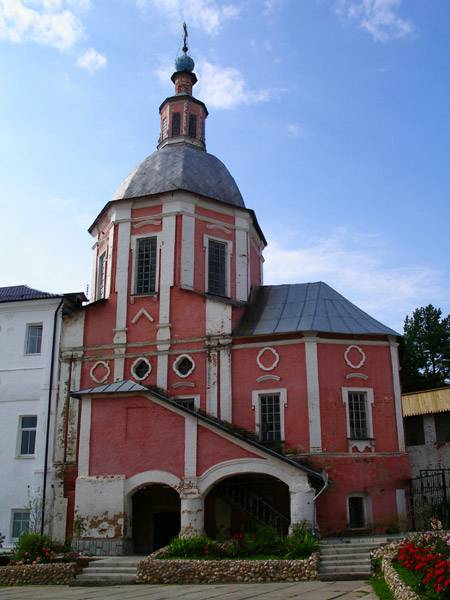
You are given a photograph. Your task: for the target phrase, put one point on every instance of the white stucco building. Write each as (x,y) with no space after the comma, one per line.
(30,326)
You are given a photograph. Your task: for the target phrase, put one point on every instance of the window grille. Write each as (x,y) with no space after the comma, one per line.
(187,402)
(28,427)
(414,431)
(20,523)
(176,123)
(270,426)
(217,266)
(357,519)
(141,369)
(193,126)
(357,408)
(34,339)
(164,128)
(101,277)
(442,423)
(145,266)
(184,366)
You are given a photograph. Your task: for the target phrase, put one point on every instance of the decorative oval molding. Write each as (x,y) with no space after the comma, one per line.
(361,353)
(136,363)
(276,358)
(105,365)
(181,361)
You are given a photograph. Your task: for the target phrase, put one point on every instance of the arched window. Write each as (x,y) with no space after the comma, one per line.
(176,121)
(193,126)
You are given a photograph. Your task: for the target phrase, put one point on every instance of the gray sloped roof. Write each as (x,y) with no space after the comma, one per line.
(306,307)
(15,293)
(125,385)
(181,167)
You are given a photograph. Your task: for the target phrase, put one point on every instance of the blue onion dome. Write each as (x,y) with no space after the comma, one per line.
(184,63)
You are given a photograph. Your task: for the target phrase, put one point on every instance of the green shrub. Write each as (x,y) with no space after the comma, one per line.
(194,547)
(301,543)
(33,547)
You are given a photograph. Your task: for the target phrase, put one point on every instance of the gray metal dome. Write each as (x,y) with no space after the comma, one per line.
(181,167)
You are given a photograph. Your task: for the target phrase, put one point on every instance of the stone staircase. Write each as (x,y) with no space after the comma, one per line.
(347,558)
(110,570)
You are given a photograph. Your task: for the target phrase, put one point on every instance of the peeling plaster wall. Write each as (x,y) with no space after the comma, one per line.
(431,455)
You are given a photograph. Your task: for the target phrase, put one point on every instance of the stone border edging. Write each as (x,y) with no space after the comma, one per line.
(182,571)
(399,589)
(45,574)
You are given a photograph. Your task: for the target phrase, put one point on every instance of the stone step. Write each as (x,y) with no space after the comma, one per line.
(357,540)
(114,563)
(112,571)
(344,577)
(345,569)
(346,561)
(341,552)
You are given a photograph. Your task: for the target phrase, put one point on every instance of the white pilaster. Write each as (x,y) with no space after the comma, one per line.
(312,379)
(85,437)
(187,248)
(225,384)
(211,381)
(109,262)
(397,394)
(242,258)
(190,446)
(402,511)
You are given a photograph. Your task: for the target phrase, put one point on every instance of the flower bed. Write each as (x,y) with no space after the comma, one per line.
(418,566)
(155,570)
(38,574)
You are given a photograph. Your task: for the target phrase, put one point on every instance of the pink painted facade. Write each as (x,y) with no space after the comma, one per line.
(237,356)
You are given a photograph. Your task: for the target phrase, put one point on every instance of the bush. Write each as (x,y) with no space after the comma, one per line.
(33,548)
(301,543)
(194,547)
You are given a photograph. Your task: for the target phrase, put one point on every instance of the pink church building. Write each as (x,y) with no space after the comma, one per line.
(195,399)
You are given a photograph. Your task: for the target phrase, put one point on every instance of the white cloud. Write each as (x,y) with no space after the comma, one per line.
(357,266)
(46,22)
(294,129)
(270,6)
(219,87)
(377,17)
(208,15)
(92,61)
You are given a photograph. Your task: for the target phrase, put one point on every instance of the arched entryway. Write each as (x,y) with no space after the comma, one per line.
(240,503)
(155,517)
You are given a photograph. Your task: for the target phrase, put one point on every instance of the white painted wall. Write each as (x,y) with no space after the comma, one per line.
(429,455)
(24,381)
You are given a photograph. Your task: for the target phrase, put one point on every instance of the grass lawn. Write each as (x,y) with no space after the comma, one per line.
(380,587)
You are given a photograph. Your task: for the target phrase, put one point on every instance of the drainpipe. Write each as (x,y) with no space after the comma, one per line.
(49,410)
(326,483)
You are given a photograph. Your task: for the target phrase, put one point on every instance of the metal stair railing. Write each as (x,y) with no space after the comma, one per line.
(255,506)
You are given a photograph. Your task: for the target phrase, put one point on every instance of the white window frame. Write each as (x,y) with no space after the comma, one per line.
(196,398)
(20,429)
(99,296)
(135,363)
(229,252)
(133,246)
(367,507)
(369,404)
(175,369)
(27,333)
(256,405)
(13,512)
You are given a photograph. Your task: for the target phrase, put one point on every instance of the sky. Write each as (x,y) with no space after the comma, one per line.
(333,116)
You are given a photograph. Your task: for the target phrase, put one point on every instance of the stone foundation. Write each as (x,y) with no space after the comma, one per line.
(103,547)
(153,570)
(50,574)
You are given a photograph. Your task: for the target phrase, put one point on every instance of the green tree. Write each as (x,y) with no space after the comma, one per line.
(425,350)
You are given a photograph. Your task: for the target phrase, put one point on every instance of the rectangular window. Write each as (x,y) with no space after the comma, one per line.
(356,513)
(414,432)
(164,128)
(27,435)
(187,402)
(357,409)
(145,266)
(176,121)
(442,423)
(20,523)
(34,339)
(193,126)
(270,426)
(217,268)
(101,276)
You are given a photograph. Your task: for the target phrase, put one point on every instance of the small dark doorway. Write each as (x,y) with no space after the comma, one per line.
(156,518)
(356,512)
